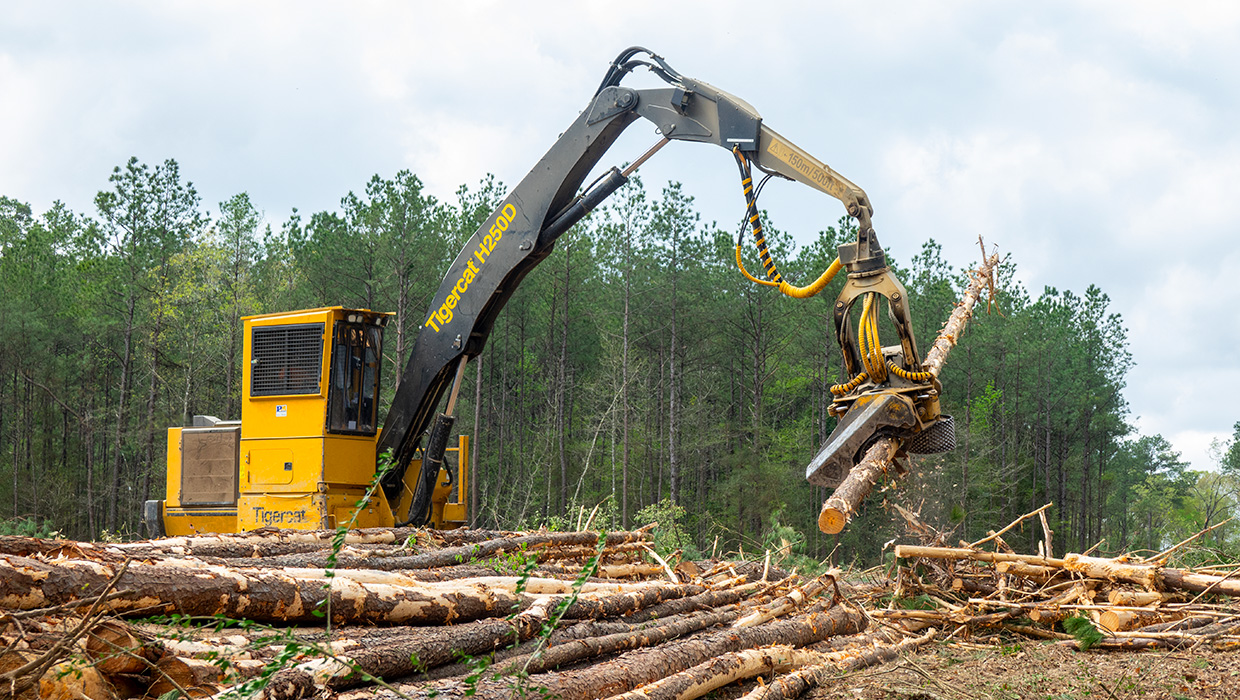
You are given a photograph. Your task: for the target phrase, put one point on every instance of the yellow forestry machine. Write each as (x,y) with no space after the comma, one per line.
(308,448)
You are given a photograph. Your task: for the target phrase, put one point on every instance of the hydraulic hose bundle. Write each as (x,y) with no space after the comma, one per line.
(764,253)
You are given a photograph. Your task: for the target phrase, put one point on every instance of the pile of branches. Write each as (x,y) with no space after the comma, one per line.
(403,613)
(983,590)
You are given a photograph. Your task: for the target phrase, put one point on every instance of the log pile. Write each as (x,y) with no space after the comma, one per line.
(418,613)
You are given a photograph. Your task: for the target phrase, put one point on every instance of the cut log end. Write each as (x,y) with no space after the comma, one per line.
(832,520)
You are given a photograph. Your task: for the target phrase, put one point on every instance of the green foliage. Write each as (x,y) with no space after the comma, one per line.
(1087,636)
(634,368)
(670,534)
(28,527)
(787,546)
(983,408)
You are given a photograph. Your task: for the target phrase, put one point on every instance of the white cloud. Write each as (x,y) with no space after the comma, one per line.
(1094,141)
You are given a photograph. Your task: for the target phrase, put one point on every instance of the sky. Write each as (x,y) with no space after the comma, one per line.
(1096,142)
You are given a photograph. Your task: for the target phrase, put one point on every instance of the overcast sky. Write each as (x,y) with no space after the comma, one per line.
(1096,142)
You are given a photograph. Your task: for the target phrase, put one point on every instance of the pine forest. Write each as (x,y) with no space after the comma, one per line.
(634,370)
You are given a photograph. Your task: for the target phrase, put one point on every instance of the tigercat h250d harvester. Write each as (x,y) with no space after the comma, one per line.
(307,450)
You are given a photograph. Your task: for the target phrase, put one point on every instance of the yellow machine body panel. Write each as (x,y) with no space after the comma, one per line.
(449,501)
(181,520)
(303,454)
(448,504)
(285,374)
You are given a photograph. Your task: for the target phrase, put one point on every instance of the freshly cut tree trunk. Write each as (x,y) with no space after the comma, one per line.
(783,605)
(115,648)
(878,460)
(1152,577)
(260,596)
(1139,598)
(274,596)
(794,684)
(26,546)
(972,586)
(625,603)
(1034,572)
(908,551)
(261,542)
(527,543)
(13,660)
(201,677)
(1112,570)
(407,655)
(1187,623)
(840,507)
(591,647)
(1200,583)
(73,681)
(440,561)
(1124,620)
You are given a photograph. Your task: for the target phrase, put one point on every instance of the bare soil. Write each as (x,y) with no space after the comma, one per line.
(1042,671)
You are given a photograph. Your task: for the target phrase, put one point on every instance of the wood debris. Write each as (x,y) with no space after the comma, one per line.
(420,614)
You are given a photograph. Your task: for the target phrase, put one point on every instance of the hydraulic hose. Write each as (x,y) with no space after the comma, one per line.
(841,389)
(764,254)
(870,345)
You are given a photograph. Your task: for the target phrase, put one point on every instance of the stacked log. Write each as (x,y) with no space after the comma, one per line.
(410,613)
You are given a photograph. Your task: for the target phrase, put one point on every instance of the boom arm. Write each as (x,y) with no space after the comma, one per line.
(522,231)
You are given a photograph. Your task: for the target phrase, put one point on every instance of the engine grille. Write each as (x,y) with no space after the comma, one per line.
(286,359)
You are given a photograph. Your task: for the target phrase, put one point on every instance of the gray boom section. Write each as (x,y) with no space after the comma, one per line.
(483,278)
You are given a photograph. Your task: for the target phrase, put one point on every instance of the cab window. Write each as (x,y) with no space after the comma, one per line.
(353,399)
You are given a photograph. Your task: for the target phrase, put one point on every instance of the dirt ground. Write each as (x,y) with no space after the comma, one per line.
(1044,671)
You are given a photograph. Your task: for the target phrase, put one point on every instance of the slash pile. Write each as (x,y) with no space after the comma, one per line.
(416,613)
(1120,603)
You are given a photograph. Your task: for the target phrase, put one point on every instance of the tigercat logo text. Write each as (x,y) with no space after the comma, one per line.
(443,315)
(279,517)
(807,168)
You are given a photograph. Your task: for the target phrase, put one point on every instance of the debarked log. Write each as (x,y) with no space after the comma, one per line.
(593,647)
(1150,576)
(723,670)
(794,684)
(256,543)
(528,543)
(406,655)
(540,547)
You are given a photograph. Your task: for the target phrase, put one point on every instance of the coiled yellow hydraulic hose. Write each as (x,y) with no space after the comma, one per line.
(918,377)
(876,366)
(764,254)
(841,389)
